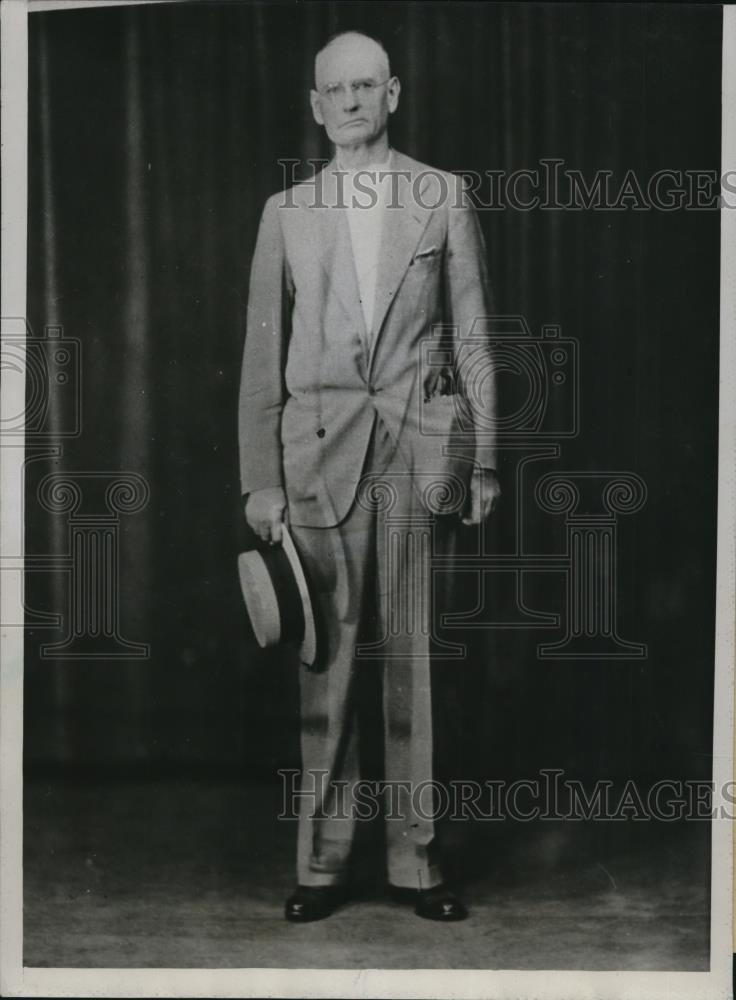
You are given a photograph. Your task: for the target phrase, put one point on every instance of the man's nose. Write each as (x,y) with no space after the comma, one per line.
(350,101)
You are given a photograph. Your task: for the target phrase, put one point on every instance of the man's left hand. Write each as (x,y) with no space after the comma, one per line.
(485,492)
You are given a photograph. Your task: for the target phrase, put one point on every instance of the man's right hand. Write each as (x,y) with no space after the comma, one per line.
(265,512)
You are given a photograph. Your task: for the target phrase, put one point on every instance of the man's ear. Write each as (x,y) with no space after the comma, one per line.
(392,94)
(314,100)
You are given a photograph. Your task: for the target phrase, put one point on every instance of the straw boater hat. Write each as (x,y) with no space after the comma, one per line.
(277,597)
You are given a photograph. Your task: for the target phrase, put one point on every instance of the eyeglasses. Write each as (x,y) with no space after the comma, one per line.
(359,88)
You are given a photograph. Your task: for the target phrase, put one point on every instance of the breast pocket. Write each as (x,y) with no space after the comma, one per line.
(424,273)
(426,259)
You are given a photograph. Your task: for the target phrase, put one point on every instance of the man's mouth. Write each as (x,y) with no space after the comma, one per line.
(353,121)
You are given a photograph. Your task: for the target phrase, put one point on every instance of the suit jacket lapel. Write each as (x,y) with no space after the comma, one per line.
(335,253)
(401,232)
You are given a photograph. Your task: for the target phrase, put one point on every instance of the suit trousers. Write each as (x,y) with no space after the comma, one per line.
(373,590)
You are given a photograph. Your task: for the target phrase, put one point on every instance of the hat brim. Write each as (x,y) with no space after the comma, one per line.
(260,598)
(308,648)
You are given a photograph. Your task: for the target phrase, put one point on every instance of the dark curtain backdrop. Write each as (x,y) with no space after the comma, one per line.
(154,139)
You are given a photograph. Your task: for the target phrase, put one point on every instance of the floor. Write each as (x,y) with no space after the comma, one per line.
(193,873)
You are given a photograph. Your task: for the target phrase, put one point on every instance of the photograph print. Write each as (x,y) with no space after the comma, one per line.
(370,491)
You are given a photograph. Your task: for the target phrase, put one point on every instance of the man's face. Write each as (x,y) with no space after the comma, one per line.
(354,94)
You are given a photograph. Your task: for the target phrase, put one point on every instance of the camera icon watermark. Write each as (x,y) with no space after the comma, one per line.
(501,380)
(43,373)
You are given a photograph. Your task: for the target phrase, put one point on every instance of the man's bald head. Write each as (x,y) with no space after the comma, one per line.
(354,93)
(350,49)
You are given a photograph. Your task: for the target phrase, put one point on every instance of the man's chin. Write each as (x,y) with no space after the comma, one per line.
(351,136)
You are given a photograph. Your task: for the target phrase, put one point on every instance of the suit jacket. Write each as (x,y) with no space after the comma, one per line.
(313,378)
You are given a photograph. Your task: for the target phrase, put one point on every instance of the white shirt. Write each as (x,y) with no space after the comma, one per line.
(365,206)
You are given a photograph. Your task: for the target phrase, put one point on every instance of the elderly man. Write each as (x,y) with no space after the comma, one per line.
(366,424)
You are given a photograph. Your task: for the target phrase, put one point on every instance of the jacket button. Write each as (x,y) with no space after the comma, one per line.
(321,432)
(372,390)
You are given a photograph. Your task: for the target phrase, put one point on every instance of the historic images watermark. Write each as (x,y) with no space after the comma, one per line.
(457,369)
(550,185)
(547,796)
(459,404)
(87,506)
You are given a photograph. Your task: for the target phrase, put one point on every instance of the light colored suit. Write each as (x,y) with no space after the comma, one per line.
(313,379)
(325,406)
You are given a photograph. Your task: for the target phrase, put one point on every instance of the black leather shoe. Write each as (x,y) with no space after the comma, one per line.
(313,902)
(437,903)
